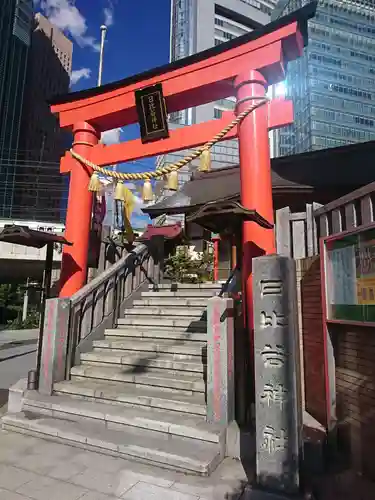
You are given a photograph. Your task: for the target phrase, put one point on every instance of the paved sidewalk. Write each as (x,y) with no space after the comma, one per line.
(18,336)
(32,468)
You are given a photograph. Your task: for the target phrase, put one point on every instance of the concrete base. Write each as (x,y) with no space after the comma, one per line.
(240,443)
(251,493)
(16,396)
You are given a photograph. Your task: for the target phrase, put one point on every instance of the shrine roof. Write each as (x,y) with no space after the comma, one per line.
(302,173)
(301,16)
(23,235)
(169,232)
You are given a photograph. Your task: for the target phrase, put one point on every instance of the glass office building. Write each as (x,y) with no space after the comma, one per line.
(15,32)
(333,85)
(197,25)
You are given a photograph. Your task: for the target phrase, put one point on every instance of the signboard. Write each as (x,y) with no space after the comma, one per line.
(350,276)
(152,113)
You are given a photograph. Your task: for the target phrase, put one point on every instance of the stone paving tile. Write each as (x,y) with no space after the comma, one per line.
(10,495)
(55,450)
(14,440)
(110,483)
(94,495)
(97,461)
(35,462)
(12,478)
(65,470)
(145,491)
(14,446)
(209,491)
(128,476)
(46,488)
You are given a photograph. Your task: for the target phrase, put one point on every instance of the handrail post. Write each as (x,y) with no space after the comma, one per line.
(55,342)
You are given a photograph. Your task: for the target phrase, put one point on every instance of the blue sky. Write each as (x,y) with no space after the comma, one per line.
(137,40)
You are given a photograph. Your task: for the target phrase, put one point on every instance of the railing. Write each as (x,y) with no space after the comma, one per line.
(99,304)
(348,212)
(72,324)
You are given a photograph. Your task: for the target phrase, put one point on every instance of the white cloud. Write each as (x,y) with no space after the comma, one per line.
(111,136)
(108,16)
(78,74)
(65,15)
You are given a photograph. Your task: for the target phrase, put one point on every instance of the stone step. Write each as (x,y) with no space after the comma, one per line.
(82,386)
(170,312)
(136,332)
(184,384)
(164,321)
(182,293)
(160,423)
(150,346)
(190,286)
(172,302)
(143,362)
(145,355)
(176,454)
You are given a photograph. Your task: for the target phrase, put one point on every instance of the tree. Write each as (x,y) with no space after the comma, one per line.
(10,302)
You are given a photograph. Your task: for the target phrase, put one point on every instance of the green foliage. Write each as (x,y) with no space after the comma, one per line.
(31,321)
(182,268)
(11,305)
(10,302)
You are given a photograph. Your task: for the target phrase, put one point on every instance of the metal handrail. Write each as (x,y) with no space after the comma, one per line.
(98,305)
(106,275)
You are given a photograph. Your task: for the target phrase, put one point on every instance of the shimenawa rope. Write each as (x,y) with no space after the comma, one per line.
(160,172)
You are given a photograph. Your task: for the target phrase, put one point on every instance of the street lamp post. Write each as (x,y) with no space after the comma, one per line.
(103,29)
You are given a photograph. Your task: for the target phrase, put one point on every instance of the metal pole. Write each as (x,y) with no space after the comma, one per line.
(25,301)
(103,29)
(34,375)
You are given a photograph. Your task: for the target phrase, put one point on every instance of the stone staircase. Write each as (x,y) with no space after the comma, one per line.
(140,393)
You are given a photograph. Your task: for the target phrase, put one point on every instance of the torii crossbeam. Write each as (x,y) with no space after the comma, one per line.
(243,68)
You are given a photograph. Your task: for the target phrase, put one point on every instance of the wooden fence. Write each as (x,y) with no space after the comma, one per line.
(351,211)
(296,233)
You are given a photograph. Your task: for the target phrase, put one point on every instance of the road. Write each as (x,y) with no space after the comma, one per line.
(17,357)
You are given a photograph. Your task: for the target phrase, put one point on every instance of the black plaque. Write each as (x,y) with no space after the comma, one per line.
(152,113)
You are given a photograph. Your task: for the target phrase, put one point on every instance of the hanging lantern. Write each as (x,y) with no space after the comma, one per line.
(147,191)
(172,179)
(205,159)
(95,186)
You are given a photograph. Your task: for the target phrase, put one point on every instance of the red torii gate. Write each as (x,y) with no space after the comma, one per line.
(243,67)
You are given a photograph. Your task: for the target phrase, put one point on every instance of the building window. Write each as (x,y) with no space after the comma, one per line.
(218,113)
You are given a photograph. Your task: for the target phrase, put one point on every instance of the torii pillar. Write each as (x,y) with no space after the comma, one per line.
(255,175)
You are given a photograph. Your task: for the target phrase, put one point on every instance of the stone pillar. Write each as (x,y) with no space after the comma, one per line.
(220,361)
(278,408)
(52,364)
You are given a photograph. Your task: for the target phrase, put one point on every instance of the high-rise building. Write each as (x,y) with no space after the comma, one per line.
(15,29)
(333,84)
(197,25)
(39,185)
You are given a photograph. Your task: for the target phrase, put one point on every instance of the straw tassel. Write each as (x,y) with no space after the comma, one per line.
(147,191)
(120,191)
(172,179)
(95,186)
(205,158)
(129,202)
